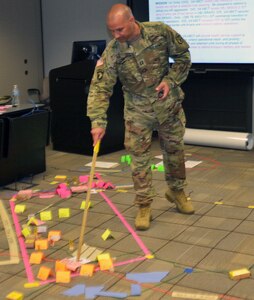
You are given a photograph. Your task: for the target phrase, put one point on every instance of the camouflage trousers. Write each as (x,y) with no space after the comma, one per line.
(138,138)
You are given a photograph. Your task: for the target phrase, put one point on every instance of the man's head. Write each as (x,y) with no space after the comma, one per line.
(121,23)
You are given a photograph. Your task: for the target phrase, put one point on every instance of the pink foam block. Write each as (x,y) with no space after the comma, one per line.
(83,178)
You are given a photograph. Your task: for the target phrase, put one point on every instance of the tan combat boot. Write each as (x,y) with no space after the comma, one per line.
(183,205)
(143,218)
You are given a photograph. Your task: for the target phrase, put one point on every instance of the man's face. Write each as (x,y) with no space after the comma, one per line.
(121,29)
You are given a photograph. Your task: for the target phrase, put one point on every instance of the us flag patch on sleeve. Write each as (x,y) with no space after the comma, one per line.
(99,62)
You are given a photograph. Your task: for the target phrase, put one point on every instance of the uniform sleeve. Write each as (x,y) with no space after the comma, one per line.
(179,52)
(101,89)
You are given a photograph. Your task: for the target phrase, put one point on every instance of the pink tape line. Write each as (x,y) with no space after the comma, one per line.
(127,225)
(126,262)
(22,245)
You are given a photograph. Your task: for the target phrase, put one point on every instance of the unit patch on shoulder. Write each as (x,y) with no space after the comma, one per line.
(99,74)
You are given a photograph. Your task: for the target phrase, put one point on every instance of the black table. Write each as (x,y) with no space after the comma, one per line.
(23,137)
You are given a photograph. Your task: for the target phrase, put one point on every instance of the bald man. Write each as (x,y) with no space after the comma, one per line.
(139,56)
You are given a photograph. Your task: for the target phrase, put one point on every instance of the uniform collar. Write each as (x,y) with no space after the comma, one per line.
(124,47)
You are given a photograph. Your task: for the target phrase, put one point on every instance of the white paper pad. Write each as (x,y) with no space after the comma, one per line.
(103,164)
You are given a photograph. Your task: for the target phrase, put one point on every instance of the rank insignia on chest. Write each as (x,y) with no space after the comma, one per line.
(141,62)
(99,75)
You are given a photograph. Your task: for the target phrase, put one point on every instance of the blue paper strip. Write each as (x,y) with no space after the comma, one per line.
(147,277)
(92,292)
(77,290)
(113,295)
(135,290)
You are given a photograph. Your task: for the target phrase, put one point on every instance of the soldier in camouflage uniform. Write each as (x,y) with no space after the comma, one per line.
(139,56)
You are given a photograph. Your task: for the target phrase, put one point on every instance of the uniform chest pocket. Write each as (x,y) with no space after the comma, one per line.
(128,70)
(126,62)
(159,46)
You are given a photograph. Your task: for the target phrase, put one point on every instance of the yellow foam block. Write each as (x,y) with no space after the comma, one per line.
(107,235)
(121,191)
(218,203)
(13,199)
(60,177)
(71,245)
(150,256)
(15,296)
(83,205)
(103,256)
(87,270)
(105,261)
(64,213)
(239,274)
(63,276)
(54,182)
(19,208)
(31,221)
(35,221)
(26,231)
(29,285)
(46,215)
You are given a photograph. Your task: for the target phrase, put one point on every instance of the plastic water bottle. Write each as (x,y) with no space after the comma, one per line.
(15,95)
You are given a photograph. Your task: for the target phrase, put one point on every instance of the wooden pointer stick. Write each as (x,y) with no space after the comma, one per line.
(84,219)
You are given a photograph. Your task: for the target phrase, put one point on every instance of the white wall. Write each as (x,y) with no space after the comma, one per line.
(65,21)
(20,40)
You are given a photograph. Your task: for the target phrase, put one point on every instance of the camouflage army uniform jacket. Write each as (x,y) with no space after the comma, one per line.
(140,71)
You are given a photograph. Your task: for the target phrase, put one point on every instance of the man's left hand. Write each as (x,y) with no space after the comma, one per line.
(162,90)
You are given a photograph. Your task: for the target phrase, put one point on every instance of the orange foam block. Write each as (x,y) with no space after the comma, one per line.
(54,235)
(106,264)
(63,276)
(41,244)
(29,243)
(87,270)
(36,258)
(44,273)
(60,266)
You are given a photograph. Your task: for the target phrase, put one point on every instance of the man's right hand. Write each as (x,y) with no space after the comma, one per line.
(97,134)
